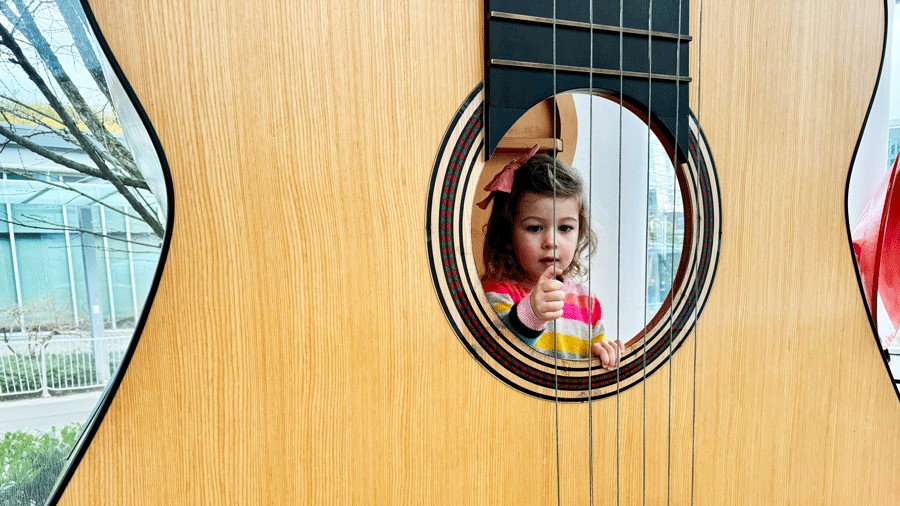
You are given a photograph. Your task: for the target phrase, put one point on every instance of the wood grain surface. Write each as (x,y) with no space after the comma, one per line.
(296,352)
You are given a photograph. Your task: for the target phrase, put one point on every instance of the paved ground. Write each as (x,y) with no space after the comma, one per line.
(39,415)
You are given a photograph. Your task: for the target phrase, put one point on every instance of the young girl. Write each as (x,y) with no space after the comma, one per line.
(528,276)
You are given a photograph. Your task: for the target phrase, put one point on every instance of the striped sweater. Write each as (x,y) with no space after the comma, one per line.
(581,318)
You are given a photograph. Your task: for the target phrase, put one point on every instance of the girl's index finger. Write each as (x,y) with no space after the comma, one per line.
(550,273)
(550,280)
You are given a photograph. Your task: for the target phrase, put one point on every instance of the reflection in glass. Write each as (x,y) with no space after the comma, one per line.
(872,194)
(82,221)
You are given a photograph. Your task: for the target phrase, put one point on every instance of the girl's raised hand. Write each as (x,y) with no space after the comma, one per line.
(609,352)
(547,296)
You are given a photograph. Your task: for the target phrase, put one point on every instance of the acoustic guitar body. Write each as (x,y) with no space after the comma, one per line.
(296,351)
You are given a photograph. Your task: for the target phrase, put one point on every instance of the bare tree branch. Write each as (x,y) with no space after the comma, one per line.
(68,187)
(148,217)
(65,162)
(68,87)
(39,117)
(57,227)
(113,162)
(75,21)
(34,110)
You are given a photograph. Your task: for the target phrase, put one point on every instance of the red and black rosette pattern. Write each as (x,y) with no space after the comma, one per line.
(455,173)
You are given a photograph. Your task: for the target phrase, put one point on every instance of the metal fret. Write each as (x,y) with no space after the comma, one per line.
(587,26)
(587,70)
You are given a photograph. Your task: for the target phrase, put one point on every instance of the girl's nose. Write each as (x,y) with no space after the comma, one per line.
(548,240)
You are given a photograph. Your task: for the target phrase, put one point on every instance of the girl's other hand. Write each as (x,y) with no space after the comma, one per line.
(609,352)
(547,296)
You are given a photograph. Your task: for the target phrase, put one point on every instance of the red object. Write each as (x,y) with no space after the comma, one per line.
(876,242)
(503,181)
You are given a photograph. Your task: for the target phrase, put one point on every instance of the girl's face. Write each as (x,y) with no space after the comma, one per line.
(533,233)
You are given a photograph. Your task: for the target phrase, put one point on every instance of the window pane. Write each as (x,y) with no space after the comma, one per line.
(84,270)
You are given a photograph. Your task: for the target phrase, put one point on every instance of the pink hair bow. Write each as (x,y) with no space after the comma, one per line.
(503,181)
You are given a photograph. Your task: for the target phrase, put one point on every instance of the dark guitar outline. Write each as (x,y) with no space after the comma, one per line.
(862,292)
(99,412)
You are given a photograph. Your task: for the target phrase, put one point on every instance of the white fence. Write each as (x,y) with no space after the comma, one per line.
(59,364)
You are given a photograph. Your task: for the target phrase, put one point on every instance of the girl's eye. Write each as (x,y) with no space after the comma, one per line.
(566,228)
(533,228)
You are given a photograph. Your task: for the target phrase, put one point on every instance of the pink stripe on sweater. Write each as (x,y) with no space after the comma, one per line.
(575,307)
(575,303)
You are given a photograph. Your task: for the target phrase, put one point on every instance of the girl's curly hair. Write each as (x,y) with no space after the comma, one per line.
(537,175)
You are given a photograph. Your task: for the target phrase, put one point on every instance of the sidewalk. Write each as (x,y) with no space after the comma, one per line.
(39,415)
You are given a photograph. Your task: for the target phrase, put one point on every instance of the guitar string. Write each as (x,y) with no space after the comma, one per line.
(555,344)
(699,221)
(590,330)
(646,252)
(672,252)
(619,248)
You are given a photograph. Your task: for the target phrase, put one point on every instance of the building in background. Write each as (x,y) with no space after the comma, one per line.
(42,260)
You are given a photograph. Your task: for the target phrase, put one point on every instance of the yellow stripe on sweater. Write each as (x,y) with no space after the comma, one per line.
(566,343)
(501,308)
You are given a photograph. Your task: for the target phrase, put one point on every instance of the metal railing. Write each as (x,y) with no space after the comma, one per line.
(59,364)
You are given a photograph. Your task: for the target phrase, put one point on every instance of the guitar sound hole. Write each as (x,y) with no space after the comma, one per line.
(632,202)
(667,238)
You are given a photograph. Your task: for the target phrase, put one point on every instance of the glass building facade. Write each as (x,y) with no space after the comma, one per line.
(55,222)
